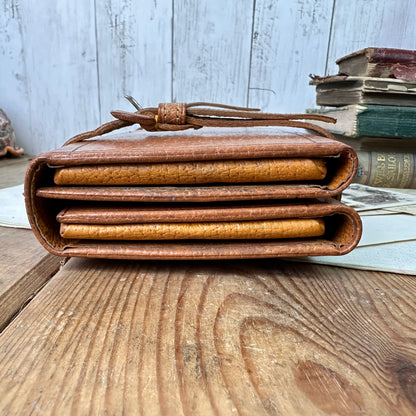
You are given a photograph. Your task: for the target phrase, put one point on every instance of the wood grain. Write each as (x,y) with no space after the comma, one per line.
(25,267)
(289,43)
(65,66)
(134,43)
(51,92)
(211,52)
(201,338)
(12,170)
(13,79)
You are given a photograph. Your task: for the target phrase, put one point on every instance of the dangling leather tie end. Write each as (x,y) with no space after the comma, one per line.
(181,116)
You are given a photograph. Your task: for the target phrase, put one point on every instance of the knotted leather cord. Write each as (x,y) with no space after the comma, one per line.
(180,116)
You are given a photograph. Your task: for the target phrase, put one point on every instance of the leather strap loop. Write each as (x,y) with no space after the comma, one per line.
(180,116)
(172,113)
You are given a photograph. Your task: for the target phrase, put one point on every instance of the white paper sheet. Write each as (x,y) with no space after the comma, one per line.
(12,208)
(388,244)
(394,257)
(381,229)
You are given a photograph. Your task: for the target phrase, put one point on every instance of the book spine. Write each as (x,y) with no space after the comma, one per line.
(386,121)
(386,169)
(392,56)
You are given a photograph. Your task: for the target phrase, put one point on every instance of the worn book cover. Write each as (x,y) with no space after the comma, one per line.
(384,162)
(380,62)
(370,120)
(341,90)
(387,169)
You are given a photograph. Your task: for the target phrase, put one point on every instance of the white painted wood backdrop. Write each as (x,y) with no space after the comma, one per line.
(65,64)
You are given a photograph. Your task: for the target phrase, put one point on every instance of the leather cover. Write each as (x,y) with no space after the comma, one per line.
(217,230)
(223,207)
(198,172)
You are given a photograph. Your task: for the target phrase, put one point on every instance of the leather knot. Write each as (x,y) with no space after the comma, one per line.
(172,113)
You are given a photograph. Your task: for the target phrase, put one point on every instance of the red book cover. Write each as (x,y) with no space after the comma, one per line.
(380,63)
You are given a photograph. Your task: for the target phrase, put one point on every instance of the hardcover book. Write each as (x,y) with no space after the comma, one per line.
(384,162)
(370,120)
(387,169)
(341,90)
(380,62)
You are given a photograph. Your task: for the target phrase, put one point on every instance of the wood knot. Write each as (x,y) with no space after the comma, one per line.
(407,380)
(326,389)
(172,113)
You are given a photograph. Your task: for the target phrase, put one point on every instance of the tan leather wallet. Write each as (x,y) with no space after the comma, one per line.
(221,194)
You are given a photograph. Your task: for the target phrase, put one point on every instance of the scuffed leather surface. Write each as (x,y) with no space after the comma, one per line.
(271,229)
(340,159)
(139,147)
(158,213)
(201,172)
(183,194)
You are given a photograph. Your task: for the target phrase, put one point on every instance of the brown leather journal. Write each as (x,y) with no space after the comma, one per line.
(222,194)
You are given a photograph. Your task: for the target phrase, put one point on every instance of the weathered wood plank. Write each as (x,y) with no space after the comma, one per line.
(12,170)
(134,53)
(211,51)
(289,43)
(362,23)
(25,267)
(260,337)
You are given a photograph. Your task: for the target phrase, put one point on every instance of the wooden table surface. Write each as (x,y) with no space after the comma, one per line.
(95,337)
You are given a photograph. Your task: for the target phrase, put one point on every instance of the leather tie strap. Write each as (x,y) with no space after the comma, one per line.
(181,116)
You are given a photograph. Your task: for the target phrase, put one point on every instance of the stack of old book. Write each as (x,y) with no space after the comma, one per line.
(373,99)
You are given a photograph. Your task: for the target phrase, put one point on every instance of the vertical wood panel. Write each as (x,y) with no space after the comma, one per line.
(212,41)
(289,43)
(61,78)
(13,76)
(363,23)
(134,41)
(53,87)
